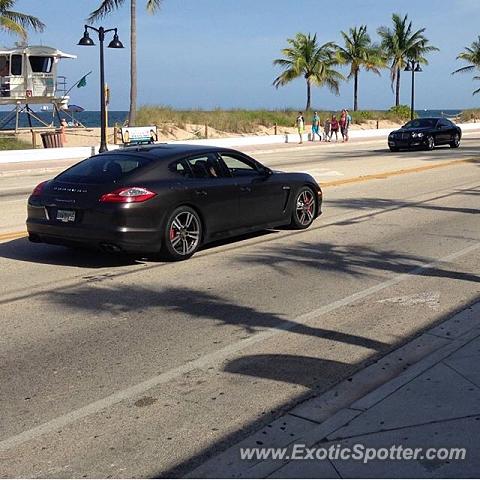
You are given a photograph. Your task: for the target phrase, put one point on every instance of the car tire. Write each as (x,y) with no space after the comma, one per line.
(304,208)
(394,149)
(182,235)
(455,143)
(430,143)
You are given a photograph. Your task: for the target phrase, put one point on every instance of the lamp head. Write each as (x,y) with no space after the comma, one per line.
(115,43)
(86,41)
(418,68)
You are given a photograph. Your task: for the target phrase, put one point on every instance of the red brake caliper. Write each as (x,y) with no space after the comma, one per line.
(172,233)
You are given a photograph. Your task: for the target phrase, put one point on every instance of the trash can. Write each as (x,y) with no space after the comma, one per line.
(52,139)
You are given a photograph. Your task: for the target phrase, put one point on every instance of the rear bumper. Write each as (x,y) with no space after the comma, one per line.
(112,236)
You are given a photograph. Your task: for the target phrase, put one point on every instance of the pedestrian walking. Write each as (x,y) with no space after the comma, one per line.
(349,121)
(343,124)
(300,123)
(326,130)
(334,128)
(316,127)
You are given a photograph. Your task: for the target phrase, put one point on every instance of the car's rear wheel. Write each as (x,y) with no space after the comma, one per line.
(304,208)
(455,143)
(430,143)
(182,235)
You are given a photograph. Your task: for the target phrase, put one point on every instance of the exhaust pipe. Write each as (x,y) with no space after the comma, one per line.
(110,248)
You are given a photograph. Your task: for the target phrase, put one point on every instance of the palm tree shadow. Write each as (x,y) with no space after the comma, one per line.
(310,372)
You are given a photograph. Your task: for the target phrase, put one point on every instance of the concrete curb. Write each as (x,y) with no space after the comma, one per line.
(334,409)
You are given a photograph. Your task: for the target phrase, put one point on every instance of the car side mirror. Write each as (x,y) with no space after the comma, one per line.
(266,172)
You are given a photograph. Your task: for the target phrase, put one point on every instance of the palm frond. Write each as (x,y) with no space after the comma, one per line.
(153,6)
(25,21)
(10,26)
(468,68)
(106,7)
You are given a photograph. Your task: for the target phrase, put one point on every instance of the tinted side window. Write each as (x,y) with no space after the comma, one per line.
(238,166)
(104,169)
(205,166)
(179,168)
(41,64)
(16,67)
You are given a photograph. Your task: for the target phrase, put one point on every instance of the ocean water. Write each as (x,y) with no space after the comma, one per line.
(87,118)
(92,118)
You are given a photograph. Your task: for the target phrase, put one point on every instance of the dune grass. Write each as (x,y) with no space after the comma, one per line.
(11,143)
(248,121)
(470,114)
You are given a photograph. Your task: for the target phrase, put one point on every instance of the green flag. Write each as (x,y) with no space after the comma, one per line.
(82,82)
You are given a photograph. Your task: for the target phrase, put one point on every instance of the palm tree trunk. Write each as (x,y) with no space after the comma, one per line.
(133,63)
(397,89)
(309,95)
(355,91)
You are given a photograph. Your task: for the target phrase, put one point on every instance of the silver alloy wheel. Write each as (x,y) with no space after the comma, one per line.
(305,207)
(184,233)
(456,140)
(431,143)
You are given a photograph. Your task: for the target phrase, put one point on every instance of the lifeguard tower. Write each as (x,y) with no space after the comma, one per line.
(28,76)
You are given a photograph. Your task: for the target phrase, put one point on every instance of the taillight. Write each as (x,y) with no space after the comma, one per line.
(39,189)
(128,195)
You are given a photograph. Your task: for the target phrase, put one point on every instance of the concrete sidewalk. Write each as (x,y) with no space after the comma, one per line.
(423,395)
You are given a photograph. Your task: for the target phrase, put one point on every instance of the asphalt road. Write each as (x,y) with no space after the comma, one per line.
(121,368)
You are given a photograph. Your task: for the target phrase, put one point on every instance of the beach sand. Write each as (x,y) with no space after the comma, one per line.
(87,137)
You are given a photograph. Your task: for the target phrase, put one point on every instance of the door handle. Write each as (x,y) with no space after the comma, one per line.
(245,189)
(201,193)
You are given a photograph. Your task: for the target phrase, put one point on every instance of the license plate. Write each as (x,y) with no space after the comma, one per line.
(66,215)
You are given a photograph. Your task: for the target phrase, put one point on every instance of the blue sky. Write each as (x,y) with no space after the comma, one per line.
(219,53)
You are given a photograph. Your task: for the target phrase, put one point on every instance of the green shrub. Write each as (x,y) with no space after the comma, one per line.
(402,112)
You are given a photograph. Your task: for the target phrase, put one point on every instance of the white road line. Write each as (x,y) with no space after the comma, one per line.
(219,355)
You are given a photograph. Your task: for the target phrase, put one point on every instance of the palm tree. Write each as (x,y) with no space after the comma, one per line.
(106,7)
(471,55)
(304,58)
(16,22)
(359,52)
(400,44)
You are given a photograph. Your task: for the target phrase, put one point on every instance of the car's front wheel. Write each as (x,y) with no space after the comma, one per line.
(182,235)
(430,143)
(455,143)
(304,208)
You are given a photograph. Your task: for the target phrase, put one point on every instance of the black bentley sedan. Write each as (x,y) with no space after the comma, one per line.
(425,133)
(167,199)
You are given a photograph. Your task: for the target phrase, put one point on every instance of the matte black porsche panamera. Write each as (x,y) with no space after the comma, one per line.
(168,200)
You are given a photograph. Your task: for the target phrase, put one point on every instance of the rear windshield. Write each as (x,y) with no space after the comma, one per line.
(104,169)
(421,123)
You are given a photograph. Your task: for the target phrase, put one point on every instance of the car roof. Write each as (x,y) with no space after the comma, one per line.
(431,118)
(168,151)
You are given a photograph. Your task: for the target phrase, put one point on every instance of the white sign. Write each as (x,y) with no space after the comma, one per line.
(134,135)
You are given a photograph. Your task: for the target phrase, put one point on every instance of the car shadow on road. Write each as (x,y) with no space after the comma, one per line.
(23,250)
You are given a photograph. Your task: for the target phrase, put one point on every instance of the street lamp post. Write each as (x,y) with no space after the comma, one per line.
(86,41)
(413,66)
